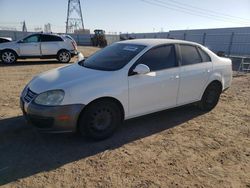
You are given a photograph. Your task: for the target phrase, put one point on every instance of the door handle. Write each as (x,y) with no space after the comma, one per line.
(206,71)
(174,77)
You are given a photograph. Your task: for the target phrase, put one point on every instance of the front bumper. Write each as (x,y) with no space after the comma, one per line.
(61,118)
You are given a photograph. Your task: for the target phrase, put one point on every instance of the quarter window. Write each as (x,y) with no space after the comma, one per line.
(159,58)
(189,55)
(204,55)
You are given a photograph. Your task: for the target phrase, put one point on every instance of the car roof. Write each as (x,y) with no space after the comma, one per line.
(155,42)
(41,33)
(54,34)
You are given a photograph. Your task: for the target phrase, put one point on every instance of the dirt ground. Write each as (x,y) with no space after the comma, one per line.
(175,148)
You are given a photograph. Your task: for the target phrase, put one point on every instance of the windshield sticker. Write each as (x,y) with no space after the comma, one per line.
(130,48)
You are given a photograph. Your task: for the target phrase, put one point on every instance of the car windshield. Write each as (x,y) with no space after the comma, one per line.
(113,57)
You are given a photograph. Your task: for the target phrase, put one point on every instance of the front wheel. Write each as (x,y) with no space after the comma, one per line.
(100,120)
(63,56)
(8,57)
(210,97)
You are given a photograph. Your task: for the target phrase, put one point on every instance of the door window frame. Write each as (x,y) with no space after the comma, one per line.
(177,62)
(197,49)
(39,39)
(200,49)
(47,35)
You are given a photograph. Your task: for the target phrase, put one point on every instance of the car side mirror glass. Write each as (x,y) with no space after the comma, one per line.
(141,69)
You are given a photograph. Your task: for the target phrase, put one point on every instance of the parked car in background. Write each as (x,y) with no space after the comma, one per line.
(39,45)
(5,39)
(125,80)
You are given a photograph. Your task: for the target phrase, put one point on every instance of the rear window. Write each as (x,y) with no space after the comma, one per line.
(50,38)
(113,57)
(189,55)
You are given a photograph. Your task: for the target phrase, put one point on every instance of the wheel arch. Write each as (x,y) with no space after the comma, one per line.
(62,49)
(218,81)
(216,76)
(107,98)
(9,49)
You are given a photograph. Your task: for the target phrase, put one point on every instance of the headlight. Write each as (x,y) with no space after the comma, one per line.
(50,98)
(24,91)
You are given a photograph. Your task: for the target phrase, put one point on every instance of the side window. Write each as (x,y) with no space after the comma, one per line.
(204,55)
(33,38)
(2,40)
(50,38)
(159,58)
(189,55)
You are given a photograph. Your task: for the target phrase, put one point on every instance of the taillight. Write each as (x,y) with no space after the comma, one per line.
(74,45)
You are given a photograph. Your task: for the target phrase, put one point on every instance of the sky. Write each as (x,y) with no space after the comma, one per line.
(128,15)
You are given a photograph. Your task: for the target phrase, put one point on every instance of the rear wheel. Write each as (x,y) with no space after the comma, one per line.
(8,57)
(63,56)
(100,119)
(210,97)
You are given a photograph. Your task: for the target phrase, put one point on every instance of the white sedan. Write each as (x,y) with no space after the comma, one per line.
(122,81)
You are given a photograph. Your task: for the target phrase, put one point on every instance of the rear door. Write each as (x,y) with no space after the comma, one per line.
(30,46)
(50,44)
(157,89)
(195,70)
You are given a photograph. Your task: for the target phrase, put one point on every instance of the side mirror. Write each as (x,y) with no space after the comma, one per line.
(20,41)
(141,69)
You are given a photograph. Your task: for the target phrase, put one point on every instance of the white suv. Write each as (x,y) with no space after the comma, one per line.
(39,46)
(125,80)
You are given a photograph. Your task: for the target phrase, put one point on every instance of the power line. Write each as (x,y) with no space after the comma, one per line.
(201,10)
(188,11)
(208,10)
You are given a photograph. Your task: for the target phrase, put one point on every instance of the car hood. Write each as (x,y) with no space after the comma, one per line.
(64,78)
(7,44)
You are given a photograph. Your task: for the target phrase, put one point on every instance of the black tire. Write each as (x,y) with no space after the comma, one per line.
(210,97)
(100,120)
(8,57)
(63,56)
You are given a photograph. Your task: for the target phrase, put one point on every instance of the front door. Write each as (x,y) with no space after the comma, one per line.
(157,89)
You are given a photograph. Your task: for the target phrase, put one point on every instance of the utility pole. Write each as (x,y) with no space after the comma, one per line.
(24,28)
(74,16)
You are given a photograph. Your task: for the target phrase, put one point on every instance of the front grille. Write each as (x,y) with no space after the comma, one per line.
(30,95)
